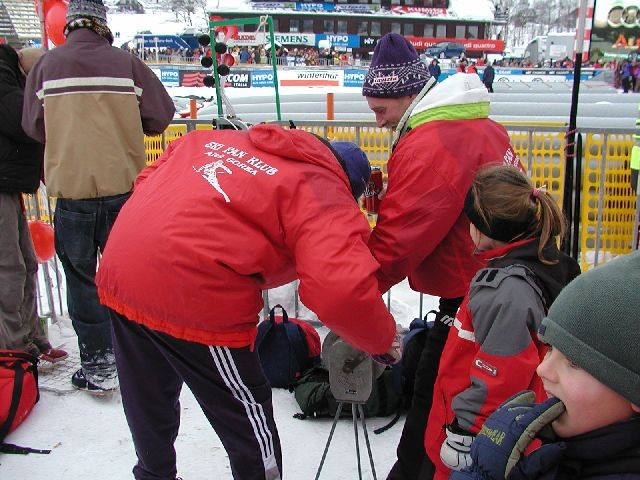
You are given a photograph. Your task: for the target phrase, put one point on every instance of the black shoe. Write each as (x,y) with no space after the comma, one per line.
(80,382)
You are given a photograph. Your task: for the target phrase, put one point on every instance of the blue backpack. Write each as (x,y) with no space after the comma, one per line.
(283,348)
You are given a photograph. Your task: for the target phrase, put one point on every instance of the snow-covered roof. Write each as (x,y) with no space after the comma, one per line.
(127,25)
(472,9)
(478,10)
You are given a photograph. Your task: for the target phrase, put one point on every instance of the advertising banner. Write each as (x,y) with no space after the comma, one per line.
(311,78)
(314,6)
(170,77)
(470,44)
(262,78)
(354,78)
(616,28)
(295,38)
(538,75)
(238,78)
(338,40)
(253,38)
(192,78)
(427,11)
(350,77)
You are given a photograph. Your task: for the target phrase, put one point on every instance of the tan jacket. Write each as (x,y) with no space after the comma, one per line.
(91,104)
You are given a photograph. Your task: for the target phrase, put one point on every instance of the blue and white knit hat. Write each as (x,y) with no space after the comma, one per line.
(87,9)
(395,70)
(356,164)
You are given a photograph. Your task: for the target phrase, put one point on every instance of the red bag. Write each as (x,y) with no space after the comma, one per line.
(18,394)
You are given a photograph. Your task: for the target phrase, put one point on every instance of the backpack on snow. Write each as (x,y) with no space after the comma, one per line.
(391,391)
(18,394)
(314,397)
(287,347)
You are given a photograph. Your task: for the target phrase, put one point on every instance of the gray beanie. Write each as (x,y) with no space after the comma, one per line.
(87,9)
(595,323)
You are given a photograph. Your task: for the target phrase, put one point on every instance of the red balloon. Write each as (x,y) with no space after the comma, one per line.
(228,59)
(55,22)
(42,236)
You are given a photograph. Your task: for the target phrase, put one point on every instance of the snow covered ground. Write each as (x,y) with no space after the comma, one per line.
(89,438)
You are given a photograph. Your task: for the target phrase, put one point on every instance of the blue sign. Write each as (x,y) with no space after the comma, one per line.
(158,41)
(508,71)
(315,7)
(261,78)
(354,78)
(338,40)
(170,77)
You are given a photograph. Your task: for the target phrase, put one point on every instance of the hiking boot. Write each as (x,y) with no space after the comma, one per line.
(80,382)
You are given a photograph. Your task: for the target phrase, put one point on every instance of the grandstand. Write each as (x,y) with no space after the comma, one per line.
(19,23)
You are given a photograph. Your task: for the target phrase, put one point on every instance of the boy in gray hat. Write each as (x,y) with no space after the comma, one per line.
(592,376)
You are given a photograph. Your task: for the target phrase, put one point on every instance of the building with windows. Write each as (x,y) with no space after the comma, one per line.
(356,25)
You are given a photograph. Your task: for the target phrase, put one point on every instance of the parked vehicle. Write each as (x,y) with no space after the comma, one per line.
(445,50)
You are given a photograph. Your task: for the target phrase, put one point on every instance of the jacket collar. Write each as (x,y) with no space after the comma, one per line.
(461,96)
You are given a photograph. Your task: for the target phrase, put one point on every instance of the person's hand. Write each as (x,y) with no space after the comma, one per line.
(394,354)
(455,452)
(498,450)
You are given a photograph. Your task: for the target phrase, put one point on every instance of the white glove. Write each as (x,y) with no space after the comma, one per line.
(455,450)
(394,354)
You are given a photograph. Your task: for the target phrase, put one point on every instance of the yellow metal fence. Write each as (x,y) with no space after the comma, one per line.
(607,203)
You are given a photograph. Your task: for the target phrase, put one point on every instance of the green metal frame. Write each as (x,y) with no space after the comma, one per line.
(243,21)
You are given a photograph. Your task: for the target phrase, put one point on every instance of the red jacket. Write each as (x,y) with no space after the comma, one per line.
(223,215)
(421,231)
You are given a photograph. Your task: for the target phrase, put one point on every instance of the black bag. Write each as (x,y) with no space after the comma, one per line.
(404,372)
(283,348)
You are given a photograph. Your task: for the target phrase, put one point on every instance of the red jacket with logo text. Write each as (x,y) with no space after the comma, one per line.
(223,215)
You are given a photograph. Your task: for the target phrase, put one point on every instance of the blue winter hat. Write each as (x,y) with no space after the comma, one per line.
(87,9)
(396,69)
(356,164)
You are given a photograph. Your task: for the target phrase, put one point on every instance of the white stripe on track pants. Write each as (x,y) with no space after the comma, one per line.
(228,383)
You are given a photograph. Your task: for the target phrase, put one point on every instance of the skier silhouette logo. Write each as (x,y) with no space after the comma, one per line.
(209,172)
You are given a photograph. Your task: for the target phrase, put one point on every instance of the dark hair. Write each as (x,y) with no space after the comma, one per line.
(503,199)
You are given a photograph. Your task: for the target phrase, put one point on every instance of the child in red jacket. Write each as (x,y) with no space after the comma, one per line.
(492,351)
(590,426)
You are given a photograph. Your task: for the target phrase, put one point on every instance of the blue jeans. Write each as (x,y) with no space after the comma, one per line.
(81,231)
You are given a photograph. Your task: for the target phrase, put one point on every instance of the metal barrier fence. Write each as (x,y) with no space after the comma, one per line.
(607,215)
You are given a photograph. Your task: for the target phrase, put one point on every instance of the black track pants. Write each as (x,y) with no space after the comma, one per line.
(228,383)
